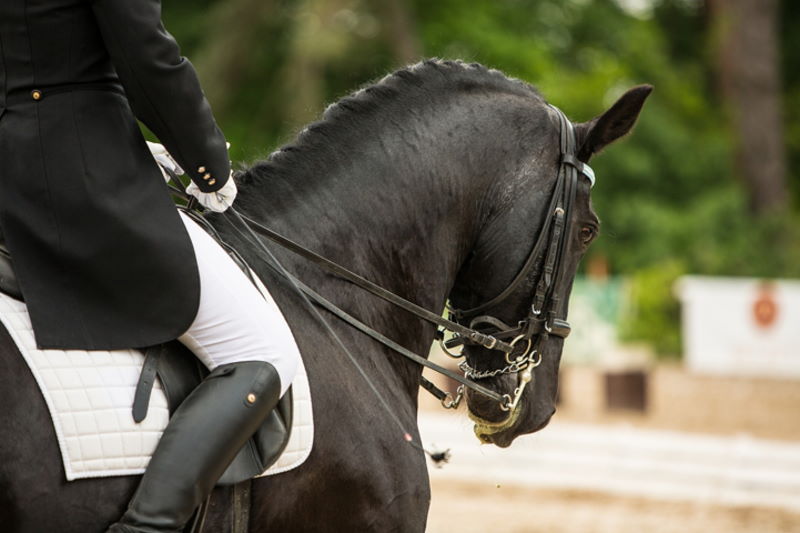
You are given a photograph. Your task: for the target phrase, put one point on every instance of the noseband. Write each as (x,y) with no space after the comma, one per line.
(546,259)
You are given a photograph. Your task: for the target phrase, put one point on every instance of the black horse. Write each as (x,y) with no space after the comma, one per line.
(432,183)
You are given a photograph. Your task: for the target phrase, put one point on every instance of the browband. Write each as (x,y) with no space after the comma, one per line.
(583,168)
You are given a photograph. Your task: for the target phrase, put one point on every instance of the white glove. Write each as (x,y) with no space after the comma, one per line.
(217,201)
(164,160)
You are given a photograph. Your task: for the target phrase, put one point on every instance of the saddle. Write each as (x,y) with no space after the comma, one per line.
(179,372)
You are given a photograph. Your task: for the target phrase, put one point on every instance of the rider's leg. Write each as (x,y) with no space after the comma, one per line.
(234,322)
(247,344)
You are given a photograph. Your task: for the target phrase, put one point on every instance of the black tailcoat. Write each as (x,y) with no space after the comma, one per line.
(100,252)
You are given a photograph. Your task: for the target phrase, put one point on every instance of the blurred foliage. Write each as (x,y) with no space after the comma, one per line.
(654,313)
(666,195)
(790,49)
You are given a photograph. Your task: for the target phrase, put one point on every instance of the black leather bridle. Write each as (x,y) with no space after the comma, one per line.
(546,261)
(548,253)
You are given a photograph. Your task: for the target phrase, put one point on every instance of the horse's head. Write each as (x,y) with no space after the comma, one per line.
(527,212)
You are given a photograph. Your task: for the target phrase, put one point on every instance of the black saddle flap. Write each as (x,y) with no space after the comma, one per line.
(180,372)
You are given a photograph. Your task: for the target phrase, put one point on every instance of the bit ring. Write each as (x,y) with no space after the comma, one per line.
(523,354)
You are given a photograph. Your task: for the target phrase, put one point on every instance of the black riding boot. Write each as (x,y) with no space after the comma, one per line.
(201,439)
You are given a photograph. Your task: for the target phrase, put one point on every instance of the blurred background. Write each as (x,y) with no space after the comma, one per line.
(680,390)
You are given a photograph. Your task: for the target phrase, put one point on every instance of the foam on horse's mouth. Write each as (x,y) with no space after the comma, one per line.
(484,429)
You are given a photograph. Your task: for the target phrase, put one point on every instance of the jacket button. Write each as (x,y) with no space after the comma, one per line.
(36,94)
(206,176)
(212,182)
(201,169)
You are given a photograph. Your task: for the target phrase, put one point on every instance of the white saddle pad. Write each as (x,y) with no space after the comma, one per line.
(90,394)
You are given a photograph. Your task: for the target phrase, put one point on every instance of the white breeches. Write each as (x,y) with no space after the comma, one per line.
(234,322)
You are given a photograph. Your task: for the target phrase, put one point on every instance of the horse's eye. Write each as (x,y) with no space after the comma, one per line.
(587,234)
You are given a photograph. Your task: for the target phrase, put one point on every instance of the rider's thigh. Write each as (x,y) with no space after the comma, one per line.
(234,322)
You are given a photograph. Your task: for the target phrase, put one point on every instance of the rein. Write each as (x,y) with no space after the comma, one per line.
(541,321)
(246,222)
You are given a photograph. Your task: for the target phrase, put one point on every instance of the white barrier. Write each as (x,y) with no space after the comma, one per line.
(737,470)
(741,326)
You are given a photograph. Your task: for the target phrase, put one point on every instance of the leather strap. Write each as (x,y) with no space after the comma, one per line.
(428,385)
(242,496)
(529,264)
(474,336)
(353,321)
(572,160)
(531,327)
(199,519)
(147,378)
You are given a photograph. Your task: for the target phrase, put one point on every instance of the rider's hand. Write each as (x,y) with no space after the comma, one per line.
(217,201)
(164,160)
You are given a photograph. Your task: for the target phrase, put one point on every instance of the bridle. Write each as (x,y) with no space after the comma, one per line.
(546,260)
(547,256)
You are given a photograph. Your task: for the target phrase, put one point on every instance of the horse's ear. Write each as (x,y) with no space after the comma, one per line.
(613,124)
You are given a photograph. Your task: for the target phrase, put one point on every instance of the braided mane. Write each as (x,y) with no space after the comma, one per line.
(408,90)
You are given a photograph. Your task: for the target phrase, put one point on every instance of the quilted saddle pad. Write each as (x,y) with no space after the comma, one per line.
(90,394)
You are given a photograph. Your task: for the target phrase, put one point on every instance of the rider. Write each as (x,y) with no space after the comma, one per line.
(103,257)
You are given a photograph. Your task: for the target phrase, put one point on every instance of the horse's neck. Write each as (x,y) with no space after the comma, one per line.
(399,233)
(406,226)
(402,207)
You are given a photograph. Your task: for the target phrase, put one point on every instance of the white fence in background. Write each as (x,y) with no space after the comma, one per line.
(667,465)
(741,326)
